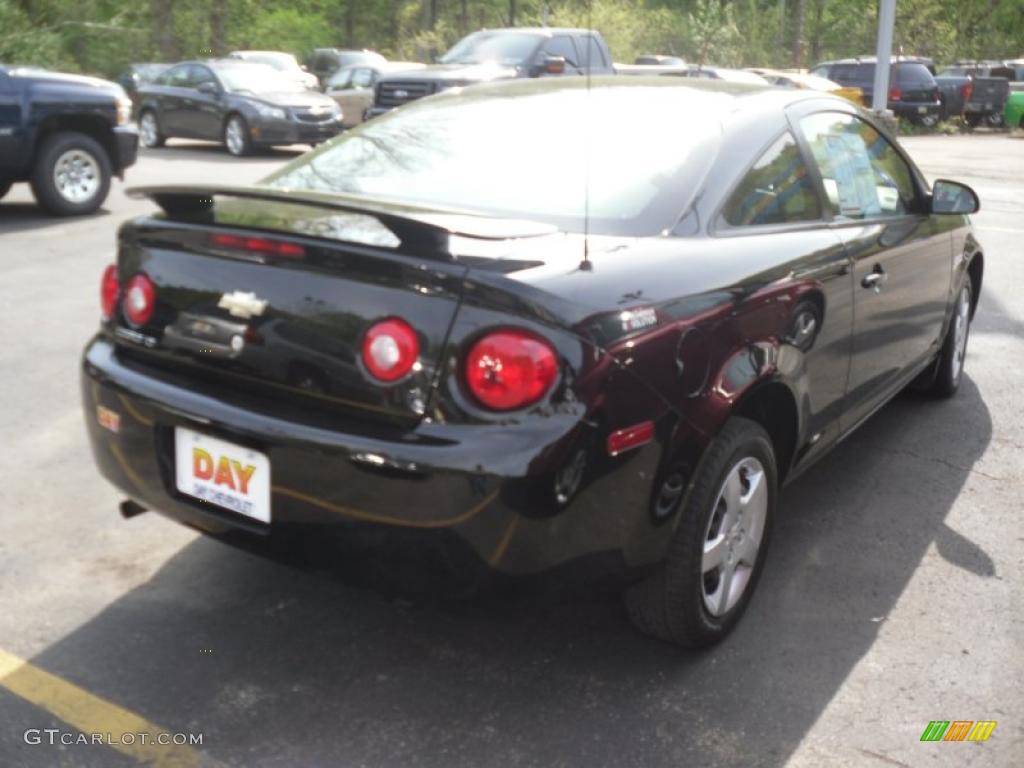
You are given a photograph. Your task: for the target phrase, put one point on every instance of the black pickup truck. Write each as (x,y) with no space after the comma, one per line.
(977,92)
(498,54)
(64,134)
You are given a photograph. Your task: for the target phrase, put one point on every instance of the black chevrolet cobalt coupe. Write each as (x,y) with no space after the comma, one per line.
(242,104)
(511,327)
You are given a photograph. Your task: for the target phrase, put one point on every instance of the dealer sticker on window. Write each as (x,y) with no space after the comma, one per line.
(224,474)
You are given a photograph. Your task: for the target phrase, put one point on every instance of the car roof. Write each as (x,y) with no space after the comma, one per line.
(228,62)
(260,53)
(383,66)
(545,31)
(895,59)
(755,96)
(344,50)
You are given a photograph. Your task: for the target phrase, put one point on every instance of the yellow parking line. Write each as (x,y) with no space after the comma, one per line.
(91,714)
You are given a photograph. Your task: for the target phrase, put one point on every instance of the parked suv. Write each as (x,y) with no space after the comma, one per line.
(499,54)
(913,92)
(64,134)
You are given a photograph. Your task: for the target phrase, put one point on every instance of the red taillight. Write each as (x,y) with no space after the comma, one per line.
(390,349)
(506,370)
(258,245)
(895,94)
(109,288)
(139,300)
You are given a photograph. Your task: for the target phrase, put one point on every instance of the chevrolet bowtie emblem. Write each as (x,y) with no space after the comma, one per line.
(239,304)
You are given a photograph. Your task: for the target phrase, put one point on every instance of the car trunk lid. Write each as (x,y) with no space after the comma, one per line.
(272,292)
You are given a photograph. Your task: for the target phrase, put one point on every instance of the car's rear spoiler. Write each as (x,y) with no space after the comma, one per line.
(421,231)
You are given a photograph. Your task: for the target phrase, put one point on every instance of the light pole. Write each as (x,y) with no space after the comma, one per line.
(886,22)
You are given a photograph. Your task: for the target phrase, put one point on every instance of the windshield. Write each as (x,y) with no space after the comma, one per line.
(255,78)
(280,61)
(150,71)
(512,151)
(492,47)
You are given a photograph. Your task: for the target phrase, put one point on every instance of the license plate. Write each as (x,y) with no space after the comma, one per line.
(922,110)
(223,474)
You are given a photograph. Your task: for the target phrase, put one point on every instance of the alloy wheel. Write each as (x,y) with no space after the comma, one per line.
(149,130)
(734,535)
(76,176)
(234,136)
(569,477)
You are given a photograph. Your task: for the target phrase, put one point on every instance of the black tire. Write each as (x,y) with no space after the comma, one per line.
(670,604)
(950,363)
(928,121)
(245,147)
(973,119)
(62,201)
(156,139)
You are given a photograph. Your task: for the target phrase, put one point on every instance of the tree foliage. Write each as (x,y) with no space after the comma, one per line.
(102,36)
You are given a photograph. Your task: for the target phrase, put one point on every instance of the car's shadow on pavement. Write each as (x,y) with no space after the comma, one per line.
(179,149)
(305,670)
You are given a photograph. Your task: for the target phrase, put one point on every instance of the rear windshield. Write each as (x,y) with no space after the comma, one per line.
(914,74)
(531,152)
(852,73)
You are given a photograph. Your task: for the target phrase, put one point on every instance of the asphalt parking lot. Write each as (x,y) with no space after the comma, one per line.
(893,594)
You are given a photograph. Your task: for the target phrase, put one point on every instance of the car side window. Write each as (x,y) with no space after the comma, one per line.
(341,81)
(863,175)
(562,46)
(913,75)
(362,78)
(596,55)
(176,77)
(777,190)
(199,74)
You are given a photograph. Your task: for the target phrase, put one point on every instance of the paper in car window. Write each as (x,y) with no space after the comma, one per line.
(854,176)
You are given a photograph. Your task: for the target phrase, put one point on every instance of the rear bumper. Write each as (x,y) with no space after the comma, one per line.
(126,147)
(479,496)
(915,108)
(984,107)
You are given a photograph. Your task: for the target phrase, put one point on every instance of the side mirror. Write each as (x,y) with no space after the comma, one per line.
(210,89)
(553,65)
(953,197)
(548,65)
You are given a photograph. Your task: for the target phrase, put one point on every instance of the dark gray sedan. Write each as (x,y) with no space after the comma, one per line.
(241,104)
